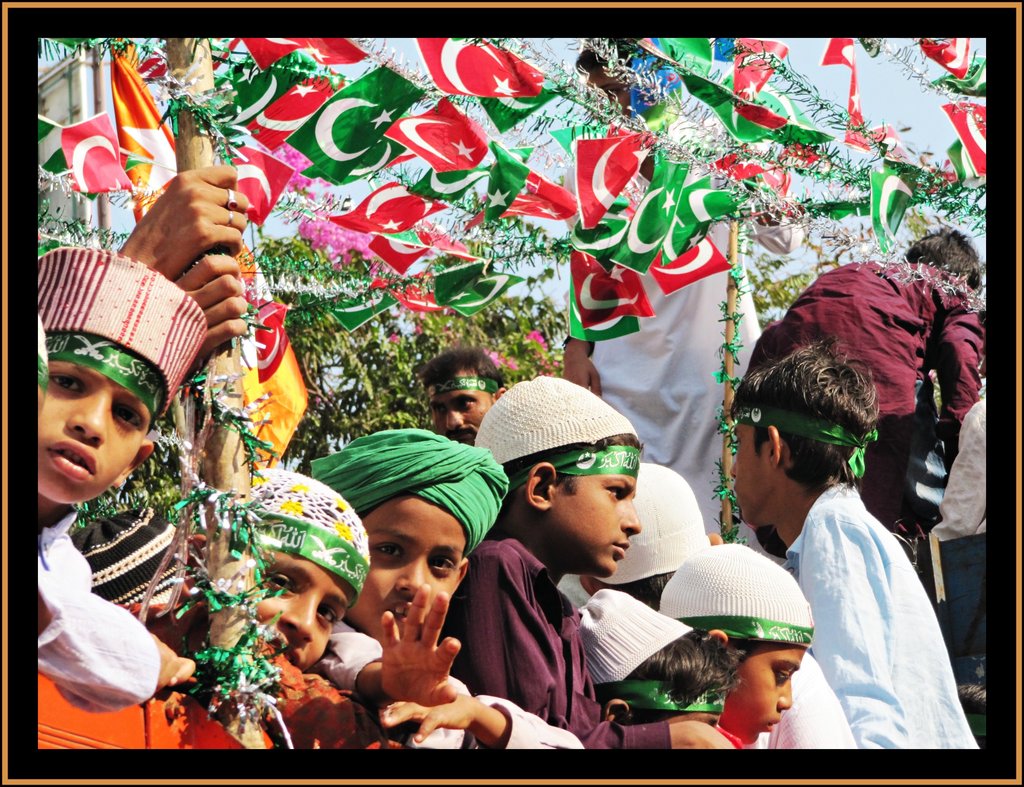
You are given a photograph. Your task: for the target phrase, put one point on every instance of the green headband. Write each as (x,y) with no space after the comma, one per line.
(316,543)
(811,428)
(654,695)
(111,360)
(743,627)
(464,384)
(44,372)
(615,459)
(976,721)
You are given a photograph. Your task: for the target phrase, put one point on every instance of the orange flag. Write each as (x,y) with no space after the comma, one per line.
(272,368)
(139,130)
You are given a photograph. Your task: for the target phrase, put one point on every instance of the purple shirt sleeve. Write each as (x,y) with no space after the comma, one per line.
(520,640)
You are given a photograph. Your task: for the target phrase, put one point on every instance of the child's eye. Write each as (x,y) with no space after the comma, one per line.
(66,381)
(128,415)
(279,581)
(387,549)
(782,677)
(442,565)
(330,614)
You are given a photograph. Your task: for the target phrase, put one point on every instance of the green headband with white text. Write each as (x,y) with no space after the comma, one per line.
(485,384)
(654,695)
(613,460)
(811,428)
(746,627)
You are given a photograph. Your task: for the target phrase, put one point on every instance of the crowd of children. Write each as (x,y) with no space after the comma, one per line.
(414,576)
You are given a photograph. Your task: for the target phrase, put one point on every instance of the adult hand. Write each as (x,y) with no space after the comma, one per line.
(174,669)
(215,284)
(413,666)
(578,368)
(190,217)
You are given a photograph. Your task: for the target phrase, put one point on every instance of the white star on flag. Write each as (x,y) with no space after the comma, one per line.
(383,117)
(498,198)
(669,202)
(390,225)
(465,152)
(301,90)
(502,86)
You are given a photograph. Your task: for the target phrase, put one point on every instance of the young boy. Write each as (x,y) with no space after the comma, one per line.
(754,606)
(426,502)
(120,338)
(648,667)
(462,383)
(803,423)
(572,463)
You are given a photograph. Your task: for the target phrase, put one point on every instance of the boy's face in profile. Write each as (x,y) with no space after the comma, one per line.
(92,434)
(412,542)
(589,529)
(749,471)
(313,599)
(764,691)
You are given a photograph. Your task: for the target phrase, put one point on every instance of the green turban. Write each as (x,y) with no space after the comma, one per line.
(464,480)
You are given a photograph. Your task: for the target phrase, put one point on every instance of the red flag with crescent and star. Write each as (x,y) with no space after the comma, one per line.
(391,208)
(261,178)
(696,263)
(92,151)
(285,116)
(603,169)
(459,67)
(443,137)
(601,295)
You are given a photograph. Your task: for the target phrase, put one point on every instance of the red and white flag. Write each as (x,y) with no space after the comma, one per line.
(412,297)
(603,169)
(544,199)
(326,51)
(285,116)
(696,263)
(438,239)
(887,137)
(601,296)
(969,121)
(391,208)
(91,148)
(461,68)
(751,69)
(261,178)
(950,53)
(840,52)
(399,254)
(443,137)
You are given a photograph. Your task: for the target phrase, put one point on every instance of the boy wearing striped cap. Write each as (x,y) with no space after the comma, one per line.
(572,462)
(754,606)
(119,339)
(803,424)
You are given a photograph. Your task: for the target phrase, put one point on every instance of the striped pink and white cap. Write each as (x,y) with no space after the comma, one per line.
(103,293)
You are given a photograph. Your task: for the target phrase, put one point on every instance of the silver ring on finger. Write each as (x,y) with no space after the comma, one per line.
(231,218)
(232,202)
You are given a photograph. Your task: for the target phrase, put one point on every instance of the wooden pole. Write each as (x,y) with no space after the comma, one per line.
(99,105)
(730,335)
(223,464)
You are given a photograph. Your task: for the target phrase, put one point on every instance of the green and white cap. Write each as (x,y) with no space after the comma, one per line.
(302,516)
(733,588)
(43,363)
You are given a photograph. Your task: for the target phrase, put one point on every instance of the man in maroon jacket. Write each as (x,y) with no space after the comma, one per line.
(902,326)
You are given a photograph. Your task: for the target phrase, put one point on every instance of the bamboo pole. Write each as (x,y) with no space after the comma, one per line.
(223,464)
(730,335)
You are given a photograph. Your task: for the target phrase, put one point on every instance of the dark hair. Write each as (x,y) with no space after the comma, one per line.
(814,380)
(568,482)
(458,359)
(688,666)
(974,701)
(648,590)
(589,61)
(950,250)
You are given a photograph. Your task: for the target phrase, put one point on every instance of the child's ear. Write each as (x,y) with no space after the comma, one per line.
(616,710)
(779,448)
(540,484)
(719,635)
(499,392)
(144,452)
(463,568)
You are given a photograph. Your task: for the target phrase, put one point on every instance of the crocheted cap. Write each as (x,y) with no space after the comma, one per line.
(733,588)
(98,292)
(672,526)
(124,553)
(620,633)
(547,413)
(305,517)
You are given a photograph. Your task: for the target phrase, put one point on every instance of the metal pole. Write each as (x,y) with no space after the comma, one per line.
(98,106)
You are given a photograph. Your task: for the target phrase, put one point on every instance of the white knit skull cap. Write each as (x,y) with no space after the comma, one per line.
(620,633)
(547,413)
(671,522)
(733,588)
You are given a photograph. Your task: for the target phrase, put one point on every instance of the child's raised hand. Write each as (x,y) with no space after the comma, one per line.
(490,726)
(413,666)
(174,669)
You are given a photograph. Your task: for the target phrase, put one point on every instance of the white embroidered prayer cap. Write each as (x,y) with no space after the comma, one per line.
(733,588)
(547,413)
(673,528)
(620,633)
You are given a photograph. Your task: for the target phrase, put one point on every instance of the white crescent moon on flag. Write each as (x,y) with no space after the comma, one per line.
(258,107)
(514,103)
(959,54)
(848,54)
(385,195)
(451,188)
(82,149)
(892,184)
(668,249)
(600,245)
(608,324)
(324,137)
(597,182)
(281,125)
(587,300)
(283,41)
(972,128)
(251,171)
(499,280)
(633,240)
(373,167)
(450,51)
(696,203)
(401,247)
(410,127)
(704,255)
